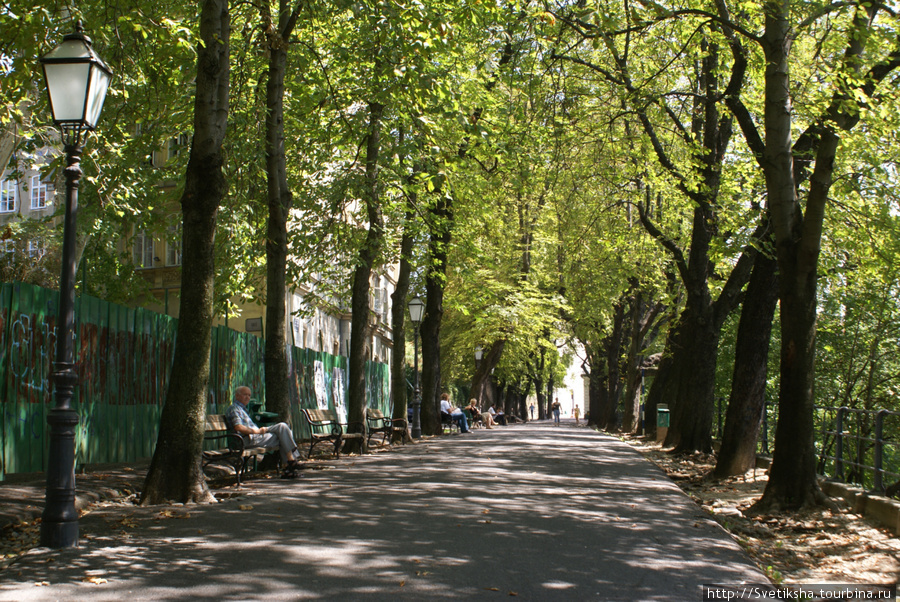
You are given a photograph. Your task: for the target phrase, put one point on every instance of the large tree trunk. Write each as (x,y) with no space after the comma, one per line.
(481,378)
(643,331)
(792,478)
(175,472)
(279,200)
(694,379)
(595,392)
(361,325)
(398,324)
(748,384)
(434,313)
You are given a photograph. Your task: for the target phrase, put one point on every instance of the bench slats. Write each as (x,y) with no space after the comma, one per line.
(324,426)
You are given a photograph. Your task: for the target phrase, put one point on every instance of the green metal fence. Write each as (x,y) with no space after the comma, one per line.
(124,360)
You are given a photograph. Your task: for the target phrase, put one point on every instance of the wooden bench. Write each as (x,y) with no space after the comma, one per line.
(324,426)
(236,453)
(378,423)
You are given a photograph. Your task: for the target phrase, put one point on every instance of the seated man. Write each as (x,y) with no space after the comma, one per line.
(455,413)
(278,435)
(499,417)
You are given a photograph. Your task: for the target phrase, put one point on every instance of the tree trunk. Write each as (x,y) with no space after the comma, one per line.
(595,391)
(748,384)
(434,313)
(481,378)
(175,472)
(361,325)
(644,330)
(279,199)
(694,379)
(792,479)
(398,323)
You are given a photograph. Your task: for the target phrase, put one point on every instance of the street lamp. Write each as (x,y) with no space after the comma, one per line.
(416,311)
(479,353)
(77,80)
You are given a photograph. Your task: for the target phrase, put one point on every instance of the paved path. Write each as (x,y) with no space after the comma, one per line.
(536,511)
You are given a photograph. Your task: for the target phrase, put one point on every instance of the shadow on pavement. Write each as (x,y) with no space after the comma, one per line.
(534,511)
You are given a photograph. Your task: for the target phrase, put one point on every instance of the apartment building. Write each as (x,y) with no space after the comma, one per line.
(28,201)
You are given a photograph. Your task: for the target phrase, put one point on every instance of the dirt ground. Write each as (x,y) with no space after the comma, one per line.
(817,546)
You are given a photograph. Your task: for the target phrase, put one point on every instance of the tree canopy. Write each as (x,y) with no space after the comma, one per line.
(591,178)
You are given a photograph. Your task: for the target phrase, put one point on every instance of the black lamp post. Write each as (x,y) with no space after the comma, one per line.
(479,353)
(77,80)
(416,311)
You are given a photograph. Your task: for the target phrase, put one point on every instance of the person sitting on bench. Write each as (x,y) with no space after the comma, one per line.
(456,415)
(278,435)
(485,417)
(499,417)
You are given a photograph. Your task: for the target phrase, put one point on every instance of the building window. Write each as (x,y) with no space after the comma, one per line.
(143,250)
(173,246)
(7,196)
(7,246)
(36,248)
(38,193)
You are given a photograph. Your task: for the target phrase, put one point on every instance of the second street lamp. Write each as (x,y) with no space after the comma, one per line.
(416,312)
(77,80)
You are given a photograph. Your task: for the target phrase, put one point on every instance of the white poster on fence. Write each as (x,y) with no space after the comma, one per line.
(337,393)
(321,391)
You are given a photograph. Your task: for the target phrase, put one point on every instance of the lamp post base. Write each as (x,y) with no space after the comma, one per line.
(417,417)
(59,522)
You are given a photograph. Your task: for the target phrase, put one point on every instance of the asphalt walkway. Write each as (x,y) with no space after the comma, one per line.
(533,511)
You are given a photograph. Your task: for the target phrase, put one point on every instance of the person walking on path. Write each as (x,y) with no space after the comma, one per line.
(531,407)
(555,409)
(278,435)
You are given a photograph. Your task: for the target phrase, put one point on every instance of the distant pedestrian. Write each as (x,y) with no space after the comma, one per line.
(577,413)
(531,407)
(555,409)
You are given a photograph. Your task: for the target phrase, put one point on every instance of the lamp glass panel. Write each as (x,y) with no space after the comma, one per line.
(416,308)
(69,49)
(67,85)
(99,86)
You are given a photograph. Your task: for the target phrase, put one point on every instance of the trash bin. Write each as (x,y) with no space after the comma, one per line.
(662,422)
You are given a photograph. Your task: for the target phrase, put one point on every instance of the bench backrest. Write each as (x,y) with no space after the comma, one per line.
(374,414)
(323,422)
(320,416)
(216,422)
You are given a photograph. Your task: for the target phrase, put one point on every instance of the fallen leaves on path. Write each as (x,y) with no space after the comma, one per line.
(813,546)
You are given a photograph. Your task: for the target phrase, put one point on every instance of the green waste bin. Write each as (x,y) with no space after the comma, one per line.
(662,422)
(662,416)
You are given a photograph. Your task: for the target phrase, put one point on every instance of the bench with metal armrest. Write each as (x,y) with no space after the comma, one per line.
(236,454)
(378,423)
(324,426)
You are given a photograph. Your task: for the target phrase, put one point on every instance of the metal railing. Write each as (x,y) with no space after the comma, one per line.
(854,447)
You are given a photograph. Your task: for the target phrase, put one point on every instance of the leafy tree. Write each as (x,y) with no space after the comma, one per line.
(800,169)
(175,471)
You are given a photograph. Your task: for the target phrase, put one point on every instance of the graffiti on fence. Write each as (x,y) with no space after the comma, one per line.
(32,340)
(124,360)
